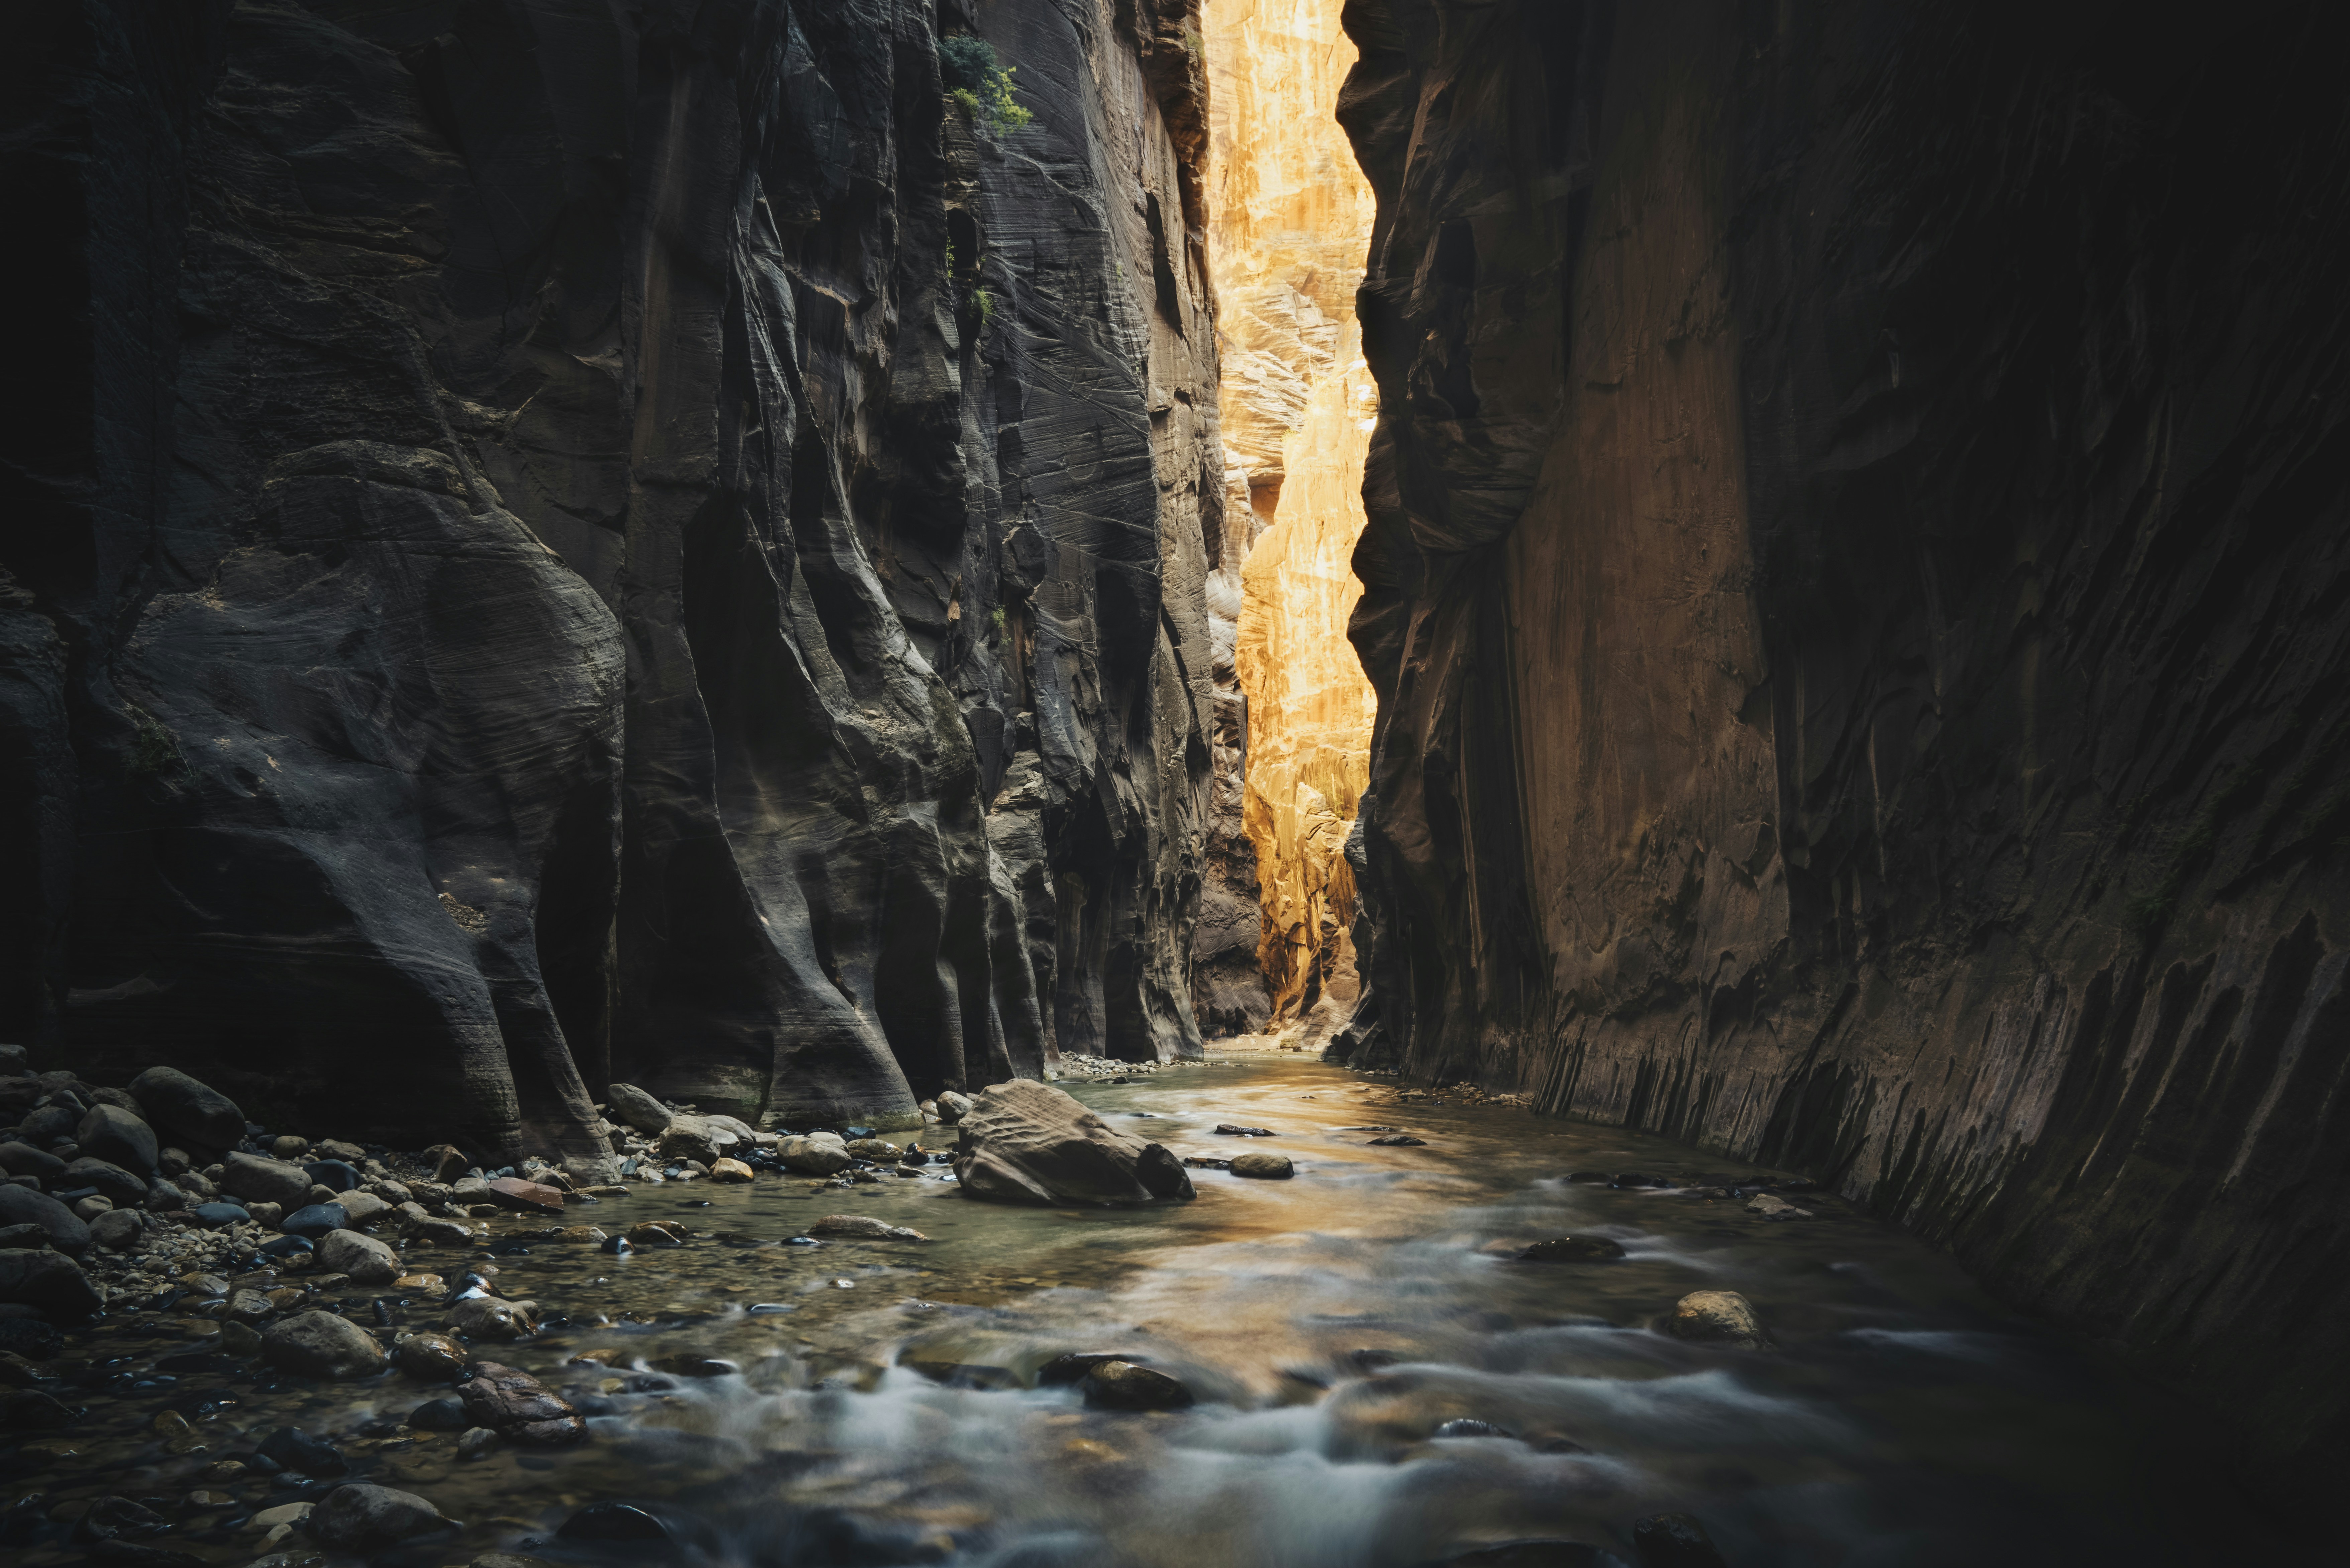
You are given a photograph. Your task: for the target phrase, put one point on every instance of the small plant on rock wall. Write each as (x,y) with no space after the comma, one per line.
(154,752)
(979,87)
(984,302)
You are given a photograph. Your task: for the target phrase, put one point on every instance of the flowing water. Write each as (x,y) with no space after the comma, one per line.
(1330,1324)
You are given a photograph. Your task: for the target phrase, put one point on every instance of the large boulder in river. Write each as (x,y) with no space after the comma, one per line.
(266,1181)
(23,1206)
(1027,1142)
(185,1106)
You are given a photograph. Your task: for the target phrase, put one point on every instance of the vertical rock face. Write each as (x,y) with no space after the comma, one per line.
(1854,587)
(543,571)
(1310,709)
(1289,215)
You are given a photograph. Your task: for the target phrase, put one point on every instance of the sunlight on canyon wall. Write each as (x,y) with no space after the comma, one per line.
(1290,220)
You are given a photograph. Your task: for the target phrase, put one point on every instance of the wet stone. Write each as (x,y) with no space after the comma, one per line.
(322,1344)
(865,1226)
(1123,1386)
(1572,1250)
(292,1449)
(440,1416)
(1263,1167)
(613,1521)
(1674,1540)
(1717,1317)
(360,1518)
(430,1357)
(517,1406)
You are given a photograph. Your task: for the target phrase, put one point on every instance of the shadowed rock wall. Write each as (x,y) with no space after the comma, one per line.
(534,572)
(1855,588)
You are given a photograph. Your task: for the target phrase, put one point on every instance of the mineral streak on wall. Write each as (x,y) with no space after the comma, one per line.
(1290,217)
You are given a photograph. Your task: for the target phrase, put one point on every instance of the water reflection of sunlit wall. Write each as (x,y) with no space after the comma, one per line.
(1291,218)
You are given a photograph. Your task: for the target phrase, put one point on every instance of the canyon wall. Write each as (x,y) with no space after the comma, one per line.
(1289,216)
(1856,589)
(566,544)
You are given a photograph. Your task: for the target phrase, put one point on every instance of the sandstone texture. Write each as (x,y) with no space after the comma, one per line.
(1290,214)
(1855,588)
(611,543)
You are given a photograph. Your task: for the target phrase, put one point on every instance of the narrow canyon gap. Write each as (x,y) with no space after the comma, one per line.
(552,545)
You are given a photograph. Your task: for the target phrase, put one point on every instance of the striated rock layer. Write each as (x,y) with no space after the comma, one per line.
(534,569)
(1856,592)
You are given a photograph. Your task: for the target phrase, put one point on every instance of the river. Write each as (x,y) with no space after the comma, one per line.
(1330,1324)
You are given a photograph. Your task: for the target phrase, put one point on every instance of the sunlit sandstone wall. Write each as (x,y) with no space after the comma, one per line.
(1290,217)
(1310,707)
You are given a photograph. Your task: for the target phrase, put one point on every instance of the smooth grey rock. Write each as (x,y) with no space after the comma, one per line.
(1027,1142)
(267,1181)
(49,1280)
(815,1154)
(312,1219)
(112,1134)
(362,1208)
(368,1261)
(23,1206)
(118,1231)
(639,1110)
(362,1518)
(24,1159)
(318,1343)
(1262,1167)
(188,1109)
(118,1185)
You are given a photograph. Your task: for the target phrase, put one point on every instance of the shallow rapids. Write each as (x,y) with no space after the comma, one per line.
(876,1405)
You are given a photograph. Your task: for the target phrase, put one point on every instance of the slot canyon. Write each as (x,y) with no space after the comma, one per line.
(1349,784)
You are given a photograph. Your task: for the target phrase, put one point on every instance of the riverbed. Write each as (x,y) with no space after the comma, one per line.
(871,1402)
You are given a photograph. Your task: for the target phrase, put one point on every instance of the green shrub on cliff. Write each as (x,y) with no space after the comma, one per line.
(979,86)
